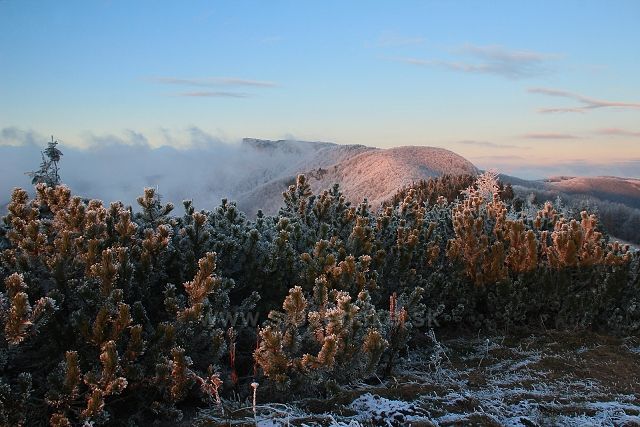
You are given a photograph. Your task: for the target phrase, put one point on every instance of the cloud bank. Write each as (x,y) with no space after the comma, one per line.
(118,167)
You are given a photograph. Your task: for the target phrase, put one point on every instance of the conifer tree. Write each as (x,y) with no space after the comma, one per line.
(49,171)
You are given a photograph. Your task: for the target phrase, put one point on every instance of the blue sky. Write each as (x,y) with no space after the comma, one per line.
(509,85)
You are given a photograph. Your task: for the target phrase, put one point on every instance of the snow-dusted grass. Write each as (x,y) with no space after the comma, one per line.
(555,379)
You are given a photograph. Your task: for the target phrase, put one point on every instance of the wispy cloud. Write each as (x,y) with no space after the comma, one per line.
(213,82)
(500,54)
(549,136)
(213,94)
(524,167)
(618,132)
(499,157)
(389,39)
(487,144)
(587,103)
(497,60)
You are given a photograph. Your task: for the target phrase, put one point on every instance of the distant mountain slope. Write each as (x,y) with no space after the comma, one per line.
(609,188)
(255,172)
(614,189)
(375,174)
(616,200)
(275,160)
(508,179)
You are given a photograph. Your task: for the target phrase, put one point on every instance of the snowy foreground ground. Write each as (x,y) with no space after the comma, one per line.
(573,379)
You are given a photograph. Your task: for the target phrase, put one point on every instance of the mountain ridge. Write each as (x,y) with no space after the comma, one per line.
(363,172)
(256,171)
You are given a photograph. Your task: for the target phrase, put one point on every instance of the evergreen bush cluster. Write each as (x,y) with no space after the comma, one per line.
(618,218)
(115,317)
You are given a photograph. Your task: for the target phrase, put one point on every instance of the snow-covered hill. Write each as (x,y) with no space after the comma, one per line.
(378,174)
(615,189)
(362,172)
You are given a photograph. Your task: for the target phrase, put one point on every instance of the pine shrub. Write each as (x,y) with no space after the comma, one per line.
(110,316)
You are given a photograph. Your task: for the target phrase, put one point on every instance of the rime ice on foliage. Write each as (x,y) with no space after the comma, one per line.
(487,185)
(199,289)
(140,306)
(105,271)
(49,172)
(338,338)
(489,245)
(153,211)
(477,223)
(19,317)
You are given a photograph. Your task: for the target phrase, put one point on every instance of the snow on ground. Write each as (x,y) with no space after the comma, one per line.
(567,379)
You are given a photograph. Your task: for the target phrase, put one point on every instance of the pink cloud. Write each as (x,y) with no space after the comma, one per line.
(587,103)
(549,136)
(618,132)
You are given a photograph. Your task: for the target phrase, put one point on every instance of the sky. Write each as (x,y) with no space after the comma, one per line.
(528,88)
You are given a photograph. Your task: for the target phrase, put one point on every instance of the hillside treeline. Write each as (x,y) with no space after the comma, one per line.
(617,219)
(110,316)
